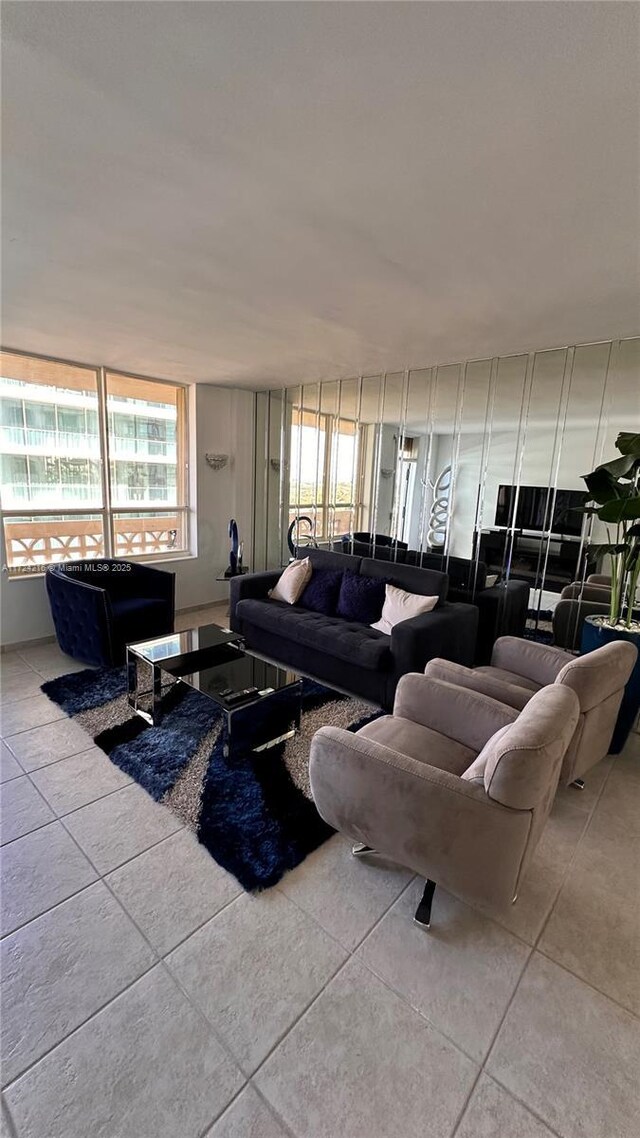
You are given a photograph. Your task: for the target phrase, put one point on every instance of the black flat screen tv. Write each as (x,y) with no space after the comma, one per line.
(533,509)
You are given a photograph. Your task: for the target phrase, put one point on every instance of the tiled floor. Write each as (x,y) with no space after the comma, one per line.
(146,996)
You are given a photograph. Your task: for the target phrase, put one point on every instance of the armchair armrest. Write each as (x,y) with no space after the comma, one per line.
(481,682)
(468,717)
(586,592)
(538,662)
(437,824)
(450,629)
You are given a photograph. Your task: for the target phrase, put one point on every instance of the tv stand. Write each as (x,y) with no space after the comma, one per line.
(565,560)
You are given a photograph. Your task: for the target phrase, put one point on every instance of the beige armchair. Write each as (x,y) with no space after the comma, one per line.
(453,785)
(519,668)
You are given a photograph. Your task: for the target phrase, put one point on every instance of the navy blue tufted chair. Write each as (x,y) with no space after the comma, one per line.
(98,607)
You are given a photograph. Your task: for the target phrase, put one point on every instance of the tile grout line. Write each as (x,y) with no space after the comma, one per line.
(158,960)
(533,949)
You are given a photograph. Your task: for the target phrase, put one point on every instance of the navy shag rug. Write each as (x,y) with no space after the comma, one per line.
(253,813)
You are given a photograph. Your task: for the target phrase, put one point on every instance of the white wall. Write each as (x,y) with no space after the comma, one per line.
(222,421)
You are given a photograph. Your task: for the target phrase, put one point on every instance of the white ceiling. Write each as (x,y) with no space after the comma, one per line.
(258,194)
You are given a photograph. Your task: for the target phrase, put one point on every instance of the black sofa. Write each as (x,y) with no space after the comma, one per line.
(353,656)
(502,608)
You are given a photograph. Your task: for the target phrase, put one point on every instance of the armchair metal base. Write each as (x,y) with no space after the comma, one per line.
(422,915)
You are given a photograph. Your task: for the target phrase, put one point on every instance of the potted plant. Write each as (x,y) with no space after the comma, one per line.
(614,498)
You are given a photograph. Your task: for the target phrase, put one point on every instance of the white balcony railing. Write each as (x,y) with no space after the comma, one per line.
(42,541)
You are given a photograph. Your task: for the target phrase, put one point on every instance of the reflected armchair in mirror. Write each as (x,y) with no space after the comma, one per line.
(578,601)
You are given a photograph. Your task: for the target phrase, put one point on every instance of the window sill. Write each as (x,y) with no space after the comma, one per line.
(40,573)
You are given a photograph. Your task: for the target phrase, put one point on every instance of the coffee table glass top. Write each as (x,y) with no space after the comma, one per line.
(237,670)
(170,652)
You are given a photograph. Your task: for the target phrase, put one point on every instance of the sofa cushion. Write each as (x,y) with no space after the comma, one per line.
(400,605)
(426,582)
(355,643)
(421,743)
(361,598)
(323,590)
(292,582)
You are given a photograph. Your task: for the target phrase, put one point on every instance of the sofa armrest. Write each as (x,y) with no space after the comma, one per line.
(250,586)
(466,716)
(437,824)
(449,630)
(538,662)
(482,682)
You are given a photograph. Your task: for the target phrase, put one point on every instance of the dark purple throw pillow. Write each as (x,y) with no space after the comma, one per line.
(322,592)
(361,598)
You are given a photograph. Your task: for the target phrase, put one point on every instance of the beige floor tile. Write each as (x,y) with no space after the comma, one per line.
(28,713)
(22,809)
(493,1113)
(14,688)
(361,1063)
(345,894)
(247,1117)
(253,970)
(71,783)
(9,766)
(146,1066)
(6,1130)
(62,967)
(594,929)
(172,889)
(42,745)
(12,664)
(49,661)
(39,871)
(120,826)
(570,1054)
(460,974)
(621,799)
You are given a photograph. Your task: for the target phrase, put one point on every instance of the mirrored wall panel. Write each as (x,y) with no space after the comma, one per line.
(475,468)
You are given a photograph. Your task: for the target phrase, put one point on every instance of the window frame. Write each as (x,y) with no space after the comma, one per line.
(108,512)
(324,511)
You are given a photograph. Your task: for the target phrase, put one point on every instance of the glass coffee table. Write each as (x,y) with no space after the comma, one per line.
(261,702)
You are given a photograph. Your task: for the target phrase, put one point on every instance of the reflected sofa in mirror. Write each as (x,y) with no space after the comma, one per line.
(473,468)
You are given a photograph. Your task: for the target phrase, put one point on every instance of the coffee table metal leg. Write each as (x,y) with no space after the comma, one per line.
(156,707)
(132,680)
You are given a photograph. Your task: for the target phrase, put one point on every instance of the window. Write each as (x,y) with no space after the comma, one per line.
(324,472)
(61,497)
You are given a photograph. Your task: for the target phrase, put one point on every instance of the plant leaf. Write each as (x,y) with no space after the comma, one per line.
(628,443)
(603,485)
(620,510)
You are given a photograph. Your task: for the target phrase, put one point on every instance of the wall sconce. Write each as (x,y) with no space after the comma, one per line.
(274,463)
(217,461)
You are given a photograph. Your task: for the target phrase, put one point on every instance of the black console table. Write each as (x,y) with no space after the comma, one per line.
(564,562)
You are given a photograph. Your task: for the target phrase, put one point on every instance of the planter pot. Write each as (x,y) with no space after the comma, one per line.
(595,635)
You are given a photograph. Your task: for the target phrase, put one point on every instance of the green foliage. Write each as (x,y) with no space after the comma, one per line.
(614,497)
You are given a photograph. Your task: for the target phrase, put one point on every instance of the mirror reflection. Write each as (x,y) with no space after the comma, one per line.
(475,468)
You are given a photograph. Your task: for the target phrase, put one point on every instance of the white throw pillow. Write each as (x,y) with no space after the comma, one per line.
(292,582)
(399,605)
